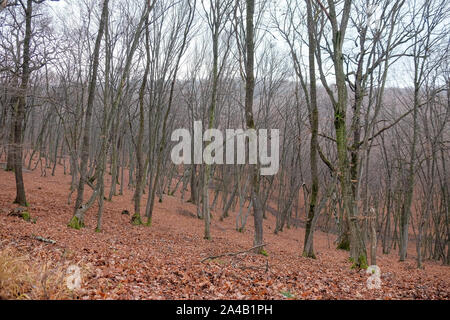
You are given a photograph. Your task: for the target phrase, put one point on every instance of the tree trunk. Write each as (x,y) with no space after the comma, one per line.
(308,249)
(78,218)
(249,90)
(20,108)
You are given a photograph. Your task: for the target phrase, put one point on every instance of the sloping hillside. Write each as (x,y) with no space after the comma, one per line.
(164,261)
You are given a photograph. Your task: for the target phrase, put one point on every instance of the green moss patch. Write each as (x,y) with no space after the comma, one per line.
(76,223)
(136,220)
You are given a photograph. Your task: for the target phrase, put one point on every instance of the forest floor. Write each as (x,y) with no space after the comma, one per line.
(164,261)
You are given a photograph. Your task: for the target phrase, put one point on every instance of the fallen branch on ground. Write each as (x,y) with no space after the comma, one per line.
(232,253)
(43,239)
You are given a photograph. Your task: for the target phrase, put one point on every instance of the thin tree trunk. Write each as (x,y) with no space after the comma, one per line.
(77,220)
(249,90)
(308,249)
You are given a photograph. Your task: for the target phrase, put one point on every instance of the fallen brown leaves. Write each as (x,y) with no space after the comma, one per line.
(164,261)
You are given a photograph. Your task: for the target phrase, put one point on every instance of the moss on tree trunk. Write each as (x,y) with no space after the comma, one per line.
(76,223)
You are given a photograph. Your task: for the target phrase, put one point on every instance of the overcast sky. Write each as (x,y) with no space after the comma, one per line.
(399,76)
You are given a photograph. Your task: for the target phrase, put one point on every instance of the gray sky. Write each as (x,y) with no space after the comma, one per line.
(400,74)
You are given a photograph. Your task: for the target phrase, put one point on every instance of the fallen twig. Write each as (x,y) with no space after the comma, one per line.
(232,253)
(44,239)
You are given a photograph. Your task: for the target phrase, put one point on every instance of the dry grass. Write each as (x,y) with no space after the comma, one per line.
(23,278)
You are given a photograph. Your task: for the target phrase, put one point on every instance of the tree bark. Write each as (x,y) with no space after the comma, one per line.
(249,90)
(308,249)
(20,107)
(78,218)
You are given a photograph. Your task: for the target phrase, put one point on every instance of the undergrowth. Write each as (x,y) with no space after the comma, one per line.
(23,278)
